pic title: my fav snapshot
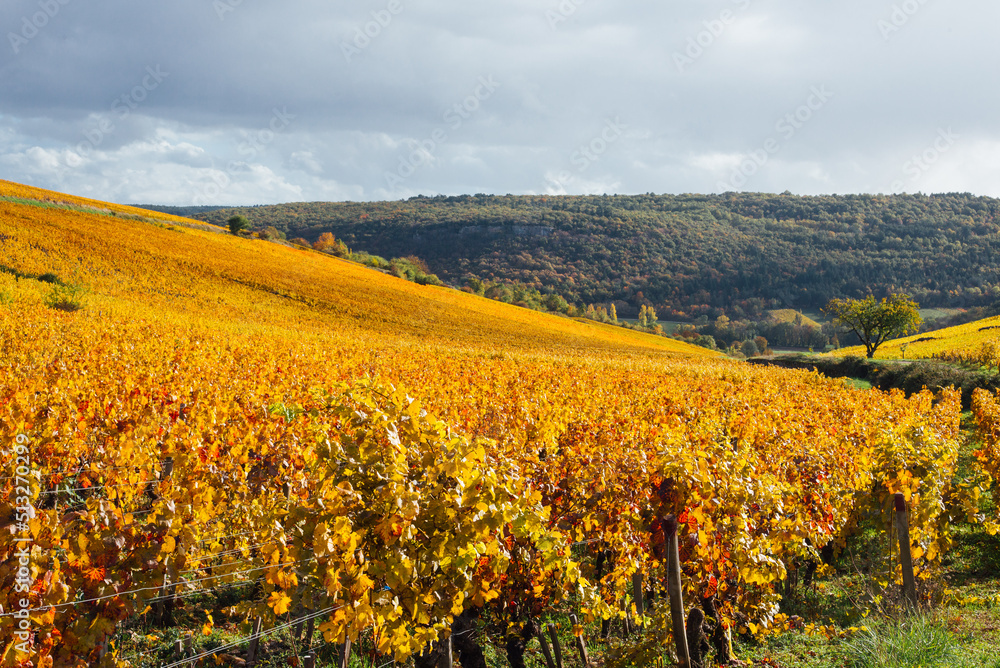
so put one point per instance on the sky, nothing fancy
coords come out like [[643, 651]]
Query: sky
[[240, 102]]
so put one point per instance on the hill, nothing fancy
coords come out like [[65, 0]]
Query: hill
[[169, 268], [795, 317], [688, 255]]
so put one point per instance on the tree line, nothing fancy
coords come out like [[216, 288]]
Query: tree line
[[736, 254]]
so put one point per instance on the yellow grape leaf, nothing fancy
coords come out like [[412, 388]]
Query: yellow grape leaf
[[279, 602], [698, 514]]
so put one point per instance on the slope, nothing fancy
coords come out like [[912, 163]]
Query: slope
[[139, 269], [24, 194]]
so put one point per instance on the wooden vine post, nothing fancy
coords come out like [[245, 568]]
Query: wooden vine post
[[344, 652], [164, 611], [557, 648], [905, 558], [676, 592], [310, 629], [546, 652], [581, 644], [637, 596], [254, 642], [446, 658]]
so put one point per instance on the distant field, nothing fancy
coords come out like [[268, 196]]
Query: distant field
[[961, 338], [789, 315], [936, 313]]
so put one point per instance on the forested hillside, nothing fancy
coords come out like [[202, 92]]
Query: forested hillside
[[688, 255]]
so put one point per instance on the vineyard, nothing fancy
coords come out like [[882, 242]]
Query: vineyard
[[348, 458], [973, 343]]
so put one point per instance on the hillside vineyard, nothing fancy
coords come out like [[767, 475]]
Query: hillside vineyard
[[385, 457]]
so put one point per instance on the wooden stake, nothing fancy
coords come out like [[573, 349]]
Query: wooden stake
[[345, 653], [556, 645], [676, 592], [581, 644], [310, 627], [637, 596], [546, 652], [626, 619], [446, 659], [164, 609], [254, 642], [309, 661], [905, 558]]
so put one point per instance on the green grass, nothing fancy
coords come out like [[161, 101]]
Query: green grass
[[935, 313], [951, 637], [173, 226], [913, 641], [70, 207]]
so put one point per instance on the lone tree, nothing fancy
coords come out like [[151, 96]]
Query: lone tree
[[875, 322], [238, 223]]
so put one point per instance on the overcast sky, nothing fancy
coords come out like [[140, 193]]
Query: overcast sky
[[252, 102]]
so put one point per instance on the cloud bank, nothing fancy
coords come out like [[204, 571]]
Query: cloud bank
[[243, 102]]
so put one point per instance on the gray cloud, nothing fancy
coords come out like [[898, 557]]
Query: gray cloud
[[385, 98]]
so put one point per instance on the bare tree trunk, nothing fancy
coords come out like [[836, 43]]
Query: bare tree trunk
[[696, 638], [721, 638]]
